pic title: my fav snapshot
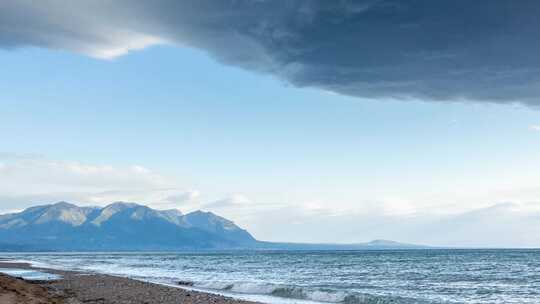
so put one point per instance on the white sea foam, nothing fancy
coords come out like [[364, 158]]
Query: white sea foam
[[259, 298], [324, 296], [30, 274], [216, 285], [282, 291], [35, 264], [251, 287]]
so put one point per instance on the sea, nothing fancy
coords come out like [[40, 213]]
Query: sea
[[348, 277]]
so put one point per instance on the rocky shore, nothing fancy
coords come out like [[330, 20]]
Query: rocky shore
[[79, 288]]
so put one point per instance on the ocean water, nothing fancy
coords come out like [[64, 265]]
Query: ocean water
[[351, 277]]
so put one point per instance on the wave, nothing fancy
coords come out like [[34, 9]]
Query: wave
[[35, 264], [302, 293]]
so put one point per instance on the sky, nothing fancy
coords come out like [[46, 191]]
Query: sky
[[304, 121]]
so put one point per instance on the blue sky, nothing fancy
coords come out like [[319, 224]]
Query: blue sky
[[222, 131], [188, 127]]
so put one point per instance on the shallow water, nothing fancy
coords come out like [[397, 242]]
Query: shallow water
[[410, 276], [30, 274]]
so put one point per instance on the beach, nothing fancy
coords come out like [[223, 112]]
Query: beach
[[79, 287]]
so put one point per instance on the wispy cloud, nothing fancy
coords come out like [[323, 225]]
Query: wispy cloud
[[232, 201], [26, 180], [534, 127], [59, 173]]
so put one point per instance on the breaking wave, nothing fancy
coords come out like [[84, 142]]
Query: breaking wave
[[301, 293]]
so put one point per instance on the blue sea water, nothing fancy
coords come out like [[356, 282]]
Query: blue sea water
[[349, 277]]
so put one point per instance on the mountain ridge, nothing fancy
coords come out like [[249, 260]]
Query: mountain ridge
[[125, 226], [117, 226]]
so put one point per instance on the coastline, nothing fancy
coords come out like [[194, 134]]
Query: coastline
[[79, 287]]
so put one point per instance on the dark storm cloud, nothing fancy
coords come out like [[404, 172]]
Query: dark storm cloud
[[433, 50]]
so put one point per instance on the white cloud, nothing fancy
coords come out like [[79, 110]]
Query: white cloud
[[235, 200], [26, 181], [122, 46], [534, 127], [57, 174]]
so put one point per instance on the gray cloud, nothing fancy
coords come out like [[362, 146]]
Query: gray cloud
[[433, 50]]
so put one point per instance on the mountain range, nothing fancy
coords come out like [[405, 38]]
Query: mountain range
[[132, 227]]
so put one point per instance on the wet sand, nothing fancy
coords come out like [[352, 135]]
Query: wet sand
[[79, 288], [16, 291]]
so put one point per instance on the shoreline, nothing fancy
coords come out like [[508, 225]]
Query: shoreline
[[82, 287]]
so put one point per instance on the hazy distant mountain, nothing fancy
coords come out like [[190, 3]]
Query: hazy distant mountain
[[373, 245], [128, 226]]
